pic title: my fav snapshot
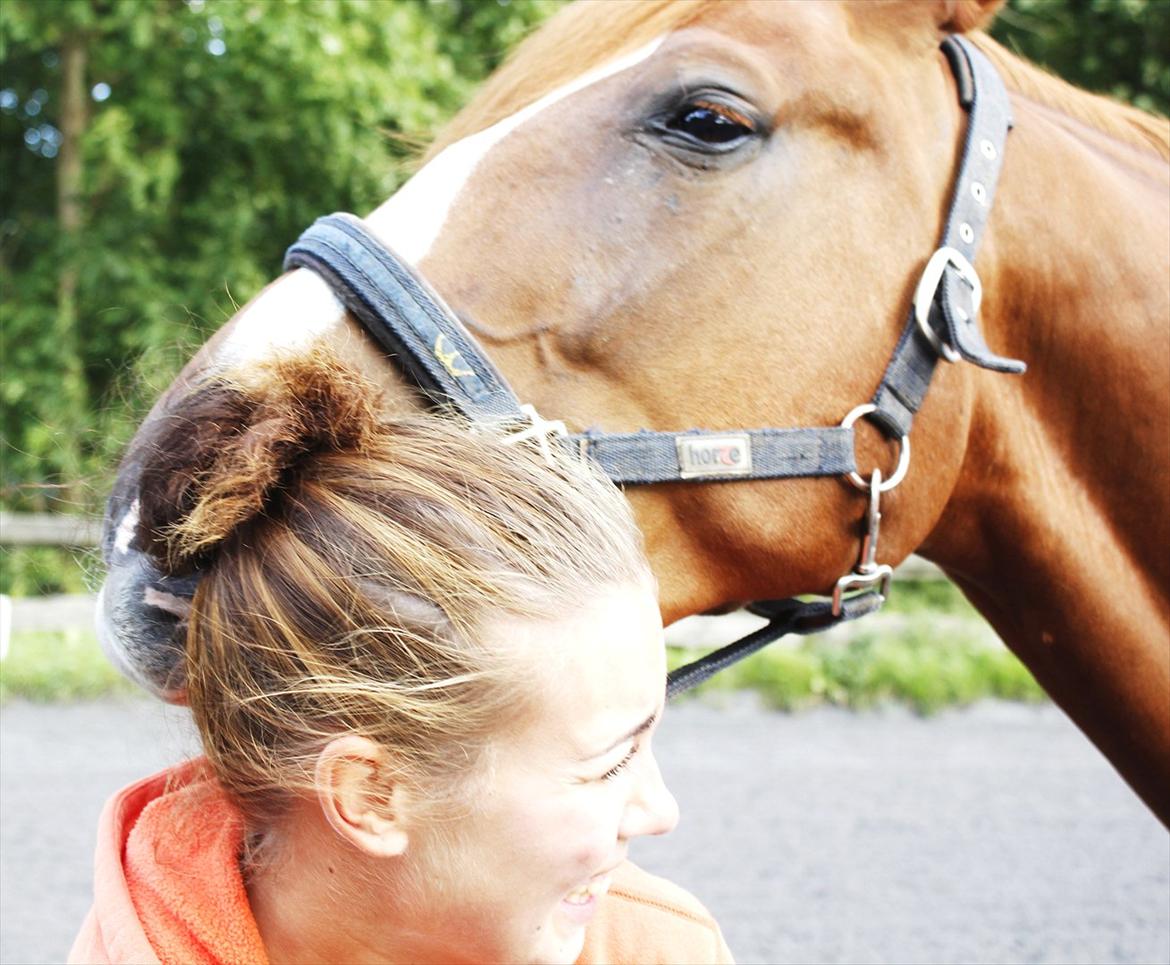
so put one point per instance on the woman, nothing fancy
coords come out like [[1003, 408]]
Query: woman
[[425, 667]]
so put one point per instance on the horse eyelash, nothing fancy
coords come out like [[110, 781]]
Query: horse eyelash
[[736, 117]]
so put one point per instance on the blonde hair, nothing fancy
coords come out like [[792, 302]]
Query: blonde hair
[[349, 567]]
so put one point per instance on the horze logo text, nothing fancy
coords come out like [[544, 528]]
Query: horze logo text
[[714, 455]]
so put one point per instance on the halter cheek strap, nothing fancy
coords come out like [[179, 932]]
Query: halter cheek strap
[[445, 362], [943, 321]]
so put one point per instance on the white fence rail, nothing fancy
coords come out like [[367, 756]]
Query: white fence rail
[[49, 529], [54, 529], [75, 611]]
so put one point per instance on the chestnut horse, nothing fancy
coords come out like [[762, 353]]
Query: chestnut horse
[[698, 214]]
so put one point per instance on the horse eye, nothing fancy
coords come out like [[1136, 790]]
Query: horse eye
[[710, 123]]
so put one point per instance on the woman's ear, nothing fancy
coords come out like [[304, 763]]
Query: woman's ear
[[959, 16], [359, 797]]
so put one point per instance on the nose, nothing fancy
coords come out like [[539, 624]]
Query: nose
[[651, 808]]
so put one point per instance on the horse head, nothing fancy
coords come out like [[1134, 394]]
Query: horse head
[[677, 215]]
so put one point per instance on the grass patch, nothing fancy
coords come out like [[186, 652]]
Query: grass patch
[[924, 663], [934, 596], [58, 665], [42, 570], [911, 667]]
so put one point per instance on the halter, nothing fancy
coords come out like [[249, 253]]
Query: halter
[[434, 350]]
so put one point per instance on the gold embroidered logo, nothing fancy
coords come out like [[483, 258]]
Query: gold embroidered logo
[[450, 360]]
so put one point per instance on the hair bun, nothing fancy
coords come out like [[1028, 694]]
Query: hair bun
[[224, 453]]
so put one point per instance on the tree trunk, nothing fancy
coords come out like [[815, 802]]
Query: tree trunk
[[73, 400]]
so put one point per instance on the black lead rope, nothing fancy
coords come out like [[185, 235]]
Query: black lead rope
[[444, 361], [784, 617]]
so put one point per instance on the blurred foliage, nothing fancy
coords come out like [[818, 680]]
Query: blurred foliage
[[938, 596], [1116, 47], [217, 130], [39, 570], [922, 663], [62, 665], [918, 664]]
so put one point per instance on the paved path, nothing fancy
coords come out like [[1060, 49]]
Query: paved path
[[990, 835]]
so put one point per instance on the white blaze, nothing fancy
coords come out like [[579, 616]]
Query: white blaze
[[411, 220], [300, 308], [292, 313], [125, 531]]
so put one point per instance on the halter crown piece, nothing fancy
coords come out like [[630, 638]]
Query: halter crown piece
[[444, 361]]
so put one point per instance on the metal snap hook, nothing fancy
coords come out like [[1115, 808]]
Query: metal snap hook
[[869, 575], [903, 453]]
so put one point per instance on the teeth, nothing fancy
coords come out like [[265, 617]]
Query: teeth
[[599, 886], [595, 889]]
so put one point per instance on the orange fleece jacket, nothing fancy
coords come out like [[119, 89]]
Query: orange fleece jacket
[[167, 888]]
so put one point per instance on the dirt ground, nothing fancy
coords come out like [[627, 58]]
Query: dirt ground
[[995, 834]]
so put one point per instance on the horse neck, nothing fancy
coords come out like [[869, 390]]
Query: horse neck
[[1058, 526]]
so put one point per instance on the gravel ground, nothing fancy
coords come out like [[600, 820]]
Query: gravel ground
[[995, 834]]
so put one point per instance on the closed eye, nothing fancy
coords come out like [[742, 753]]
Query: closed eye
[[620, 765]]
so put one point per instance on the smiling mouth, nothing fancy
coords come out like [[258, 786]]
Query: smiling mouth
[[586, 893]]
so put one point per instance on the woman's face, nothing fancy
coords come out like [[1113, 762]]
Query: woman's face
[[519, 877]]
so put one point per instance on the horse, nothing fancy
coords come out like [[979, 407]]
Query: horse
[[682, 213]]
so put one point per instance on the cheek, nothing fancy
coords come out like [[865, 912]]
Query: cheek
[[590, 835], [593, 851], [575, 837]]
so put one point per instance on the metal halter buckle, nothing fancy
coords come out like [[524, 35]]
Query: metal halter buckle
[[927, 288], [538, 428], [869, 574]]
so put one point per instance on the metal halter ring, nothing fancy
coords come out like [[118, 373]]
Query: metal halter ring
[[903, 453]]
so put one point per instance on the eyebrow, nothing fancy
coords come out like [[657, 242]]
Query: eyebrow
[[816, 109], [640, 729]]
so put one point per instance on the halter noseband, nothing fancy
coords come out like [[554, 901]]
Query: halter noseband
[[444, 361]]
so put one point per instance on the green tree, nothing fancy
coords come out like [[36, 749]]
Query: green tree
[[158, 155]]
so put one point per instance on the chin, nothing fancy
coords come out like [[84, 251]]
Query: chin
[[565, 951], [559, 943]]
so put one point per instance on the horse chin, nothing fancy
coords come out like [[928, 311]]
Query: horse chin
[[722, 609]]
